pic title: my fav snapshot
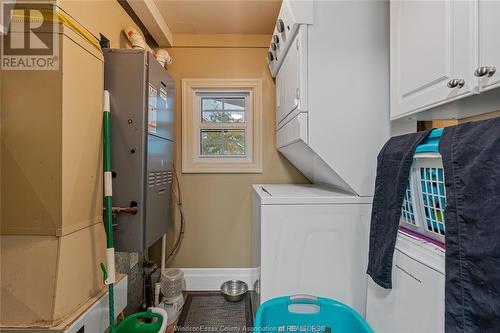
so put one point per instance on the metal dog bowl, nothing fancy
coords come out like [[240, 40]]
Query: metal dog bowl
[[234, 290]]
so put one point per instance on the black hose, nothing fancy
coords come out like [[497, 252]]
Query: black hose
[[178, 201]]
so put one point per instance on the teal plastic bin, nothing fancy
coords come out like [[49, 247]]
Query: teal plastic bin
[[305, 313]]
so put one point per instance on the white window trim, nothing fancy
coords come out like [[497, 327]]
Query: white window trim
[[191, 160]]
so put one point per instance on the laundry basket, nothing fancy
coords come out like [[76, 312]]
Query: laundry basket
[[305, 313], [423, 209]]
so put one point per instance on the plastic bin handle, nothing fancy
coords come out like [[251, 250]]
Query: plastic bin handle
[[303, 297]]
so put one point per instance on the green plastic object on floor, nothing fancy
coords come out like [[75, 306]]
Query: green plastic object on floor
[[141, 322]]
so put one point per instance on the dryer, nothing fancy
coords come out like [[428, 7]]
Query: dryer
[[415, 304], [330, 60]]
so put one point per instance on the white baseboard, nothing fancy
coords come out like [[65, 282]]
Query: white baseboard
[[210, 279]]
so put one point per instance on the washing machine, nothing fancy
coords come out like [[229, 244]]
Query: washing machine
[[415, 304], [308, 239]]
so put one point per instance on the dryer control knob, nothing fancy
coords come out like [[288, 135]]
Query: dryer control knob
[[276, 39], [273, 46], [270, 56], [280, 26]]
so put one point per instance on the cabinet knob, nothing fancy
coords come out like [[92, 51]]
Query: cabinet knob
[[485, 71], [456, 83], [280, 26]]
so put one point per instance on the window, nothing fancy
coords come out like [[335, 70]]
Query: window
[[221, 126]]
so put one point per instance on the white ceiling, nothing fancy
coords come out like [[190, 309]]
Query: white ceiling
[[219, 16]]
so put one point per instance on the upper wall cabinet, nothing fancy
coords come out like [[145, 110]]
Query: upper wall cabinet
[[489, 45], [432, 53]]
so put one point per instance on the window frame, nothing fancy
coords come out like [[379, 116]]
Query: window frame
[[193, 90]]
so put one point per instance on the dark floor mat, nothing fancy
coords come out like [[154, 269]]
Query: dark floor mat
[[210, 312]]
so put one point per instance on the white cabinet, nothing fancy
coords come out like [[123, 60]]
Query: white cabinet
[[489, 45], [432, 53]]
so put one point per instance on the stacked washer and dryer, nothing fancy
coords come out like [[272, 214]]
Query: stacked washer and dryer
[[330, 60]]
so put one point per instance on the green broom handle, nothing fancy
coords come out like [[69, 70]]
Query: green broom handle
[[109, 272]]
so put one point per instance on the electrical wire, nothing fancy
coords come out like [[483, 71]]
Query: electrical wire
[[178, 201]]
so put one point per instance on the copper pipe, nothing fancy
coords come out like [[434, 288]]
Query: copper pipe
[[124, 210]]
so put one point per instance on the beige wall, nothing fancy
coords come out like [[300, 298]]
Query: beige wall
[[217, 206], [100, 16]]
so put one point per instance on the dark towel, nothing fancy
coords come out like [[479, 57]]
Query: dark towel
[[393, 170], [471, 160]]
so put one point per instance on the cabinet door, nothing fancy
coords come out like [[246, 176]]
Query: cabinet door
[[489, 45], [432, 44]]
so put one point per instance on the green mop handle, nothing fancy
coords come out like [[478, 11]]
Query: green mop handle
[[109, 272]]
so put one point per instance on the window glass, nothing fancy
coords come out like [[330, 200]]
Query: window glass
[[223, 110], [222, 142]]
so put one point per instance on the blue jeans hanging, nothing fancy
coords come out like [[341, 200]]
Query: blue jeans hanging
[[471, 160], [393, 170]]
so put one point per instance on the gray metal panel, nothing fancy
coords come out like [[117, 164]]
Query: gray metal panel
[[125, 77], [163, 83], [160, 153], [138, 157], [159, 188]]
